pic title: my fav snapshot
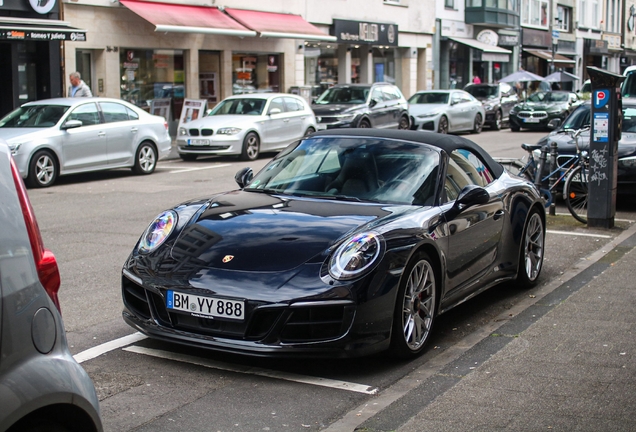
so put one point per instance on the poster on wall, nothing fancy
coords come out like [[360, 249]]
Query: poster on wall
[[192, 109], [160, 107], [207, 86]]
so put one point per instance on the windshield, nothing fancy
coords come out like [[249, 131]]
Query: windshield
[[483, 91], [358, 169], [35, 116], [579, 118], [239, 107], [628, 88], [629, 119], [548, 97], [429, 98], [344, 95]]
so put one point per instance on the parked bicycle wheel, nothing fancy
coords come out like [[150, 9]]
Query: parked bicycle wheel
[[576, 192]]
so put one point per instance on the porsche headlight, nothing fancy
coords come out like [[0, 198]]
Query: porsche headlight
[[356, 256], [158, 231], [228, 131]]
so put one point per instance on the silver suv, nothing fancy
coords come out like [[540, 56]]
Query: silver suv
[[42, 388]]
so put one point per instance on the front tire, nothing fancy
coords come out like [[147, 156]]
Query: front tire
[[145, 159], [309, 131], [496, 125], [532, 251], [364, 124], [442, 127], [43, 169], [576, 193], [415, 308], [251, 147], [404, 123]]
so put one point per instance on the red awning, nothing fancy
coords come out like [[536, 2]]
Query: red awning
[[187, 19], [277, 25]]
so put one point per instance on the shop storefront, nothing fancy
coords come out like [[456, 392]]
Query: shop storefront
[[30, 36]]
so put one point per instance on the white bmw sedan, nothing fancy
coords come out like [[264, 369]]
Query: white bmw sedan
[[55, 137], [247, 125]]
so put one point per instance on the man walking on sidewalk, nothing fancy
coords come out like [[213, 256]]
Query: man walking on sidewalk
[[78, 87]]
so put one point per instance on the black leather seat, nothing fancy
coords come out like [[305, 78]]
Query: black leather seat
[[358, 176]]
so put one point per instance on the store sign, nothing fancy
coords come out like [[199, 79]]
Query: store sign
[[508, 40], [488, 37], [39, 6], [452, 28], [43, 6], [359, 32], [495, 57], [42, 35]]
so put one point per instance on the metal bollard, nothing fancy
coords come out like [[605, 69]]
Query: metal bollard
[[554, 176]]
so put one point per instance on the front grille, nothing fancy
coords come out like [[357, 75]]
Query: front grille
[[533, 114], [194, 132], [329, 120], [316, 323], [206, 132]]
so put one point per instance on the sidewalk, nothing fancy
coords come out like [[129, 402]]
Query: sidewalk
[[567, 363]]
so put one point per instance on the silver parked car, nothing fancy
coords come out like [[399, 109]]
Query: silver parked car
[[446, 111], [247, 125], [54, 137], [42, 388]]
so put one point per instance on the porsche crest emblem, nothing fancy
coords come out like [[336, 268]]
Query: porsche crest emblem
[[227, 258]]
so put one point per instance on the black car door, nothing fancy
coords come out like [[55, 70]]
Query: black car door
[[474, 235]]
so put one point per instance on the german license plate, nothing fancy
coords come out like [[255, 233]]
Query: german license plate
[[198, 141], [205, 307], [532, 120]]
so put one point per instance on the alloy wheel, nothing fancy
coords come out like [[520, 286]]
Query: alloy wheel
[[418, 307], [533, 247]]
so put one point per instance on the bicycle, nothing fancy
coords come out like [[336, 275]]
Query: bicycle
[[573, 172]]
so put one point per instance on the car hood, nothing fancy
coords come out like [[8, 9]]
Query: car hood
[[542, 106], [14, 135], [419, 109], [487, 99], [218, 121], [333, 109], [269, 233], [565, 143]]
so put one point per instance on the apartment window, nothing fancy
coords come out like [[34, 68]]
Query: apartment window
[[535, 13], [583, 14], [474, 3], [450, 4], [612, 16], [563, 19], [595, 15]]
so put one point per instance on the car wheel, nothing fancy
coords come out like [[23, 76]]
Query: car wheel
[[532, 248], [251, 147], [309, 131], [478, 124], [404, 123], [442, 127], [146, 159], [188, 157], [415, 308], [364, 124], [42, 169], [496, 125]]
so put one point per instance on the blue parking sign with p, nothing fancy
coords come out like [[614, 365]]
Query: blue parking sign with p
[[601, 97]]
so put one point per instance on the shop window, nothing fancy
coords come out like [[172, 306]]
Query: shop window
[[253, 73], [209, 74]]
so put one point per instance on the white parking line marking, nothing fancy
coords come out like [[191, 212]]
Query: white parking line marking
[[323, 382], [91, 353], [198, 169], [578, 234]]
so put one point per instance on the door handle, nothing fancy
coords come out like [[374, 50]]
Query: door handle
[[286, 120], [134, 130], [498, 214], [101, 134]]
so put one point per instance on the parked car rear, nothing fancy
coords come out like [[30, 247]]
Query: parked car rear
[[42, 388]]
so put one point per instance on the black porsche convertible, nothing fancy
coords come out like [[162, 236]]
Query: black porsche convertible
[[346, 243]]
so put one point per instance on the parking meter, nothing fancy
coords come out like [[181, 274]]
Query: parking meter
[[605, 123]]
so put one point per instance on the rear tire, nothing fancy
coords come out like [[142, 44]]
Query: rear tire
[[309, 131], [576, 193], [404, 123], [415, 308], [145, 159], [43, 170]]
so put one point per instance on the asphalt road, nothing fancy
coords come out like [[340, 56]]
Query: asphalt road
[[92, 221]]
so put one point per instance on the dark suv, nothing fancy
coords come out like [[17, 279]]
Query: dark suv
[[377, 105], [498, 100]]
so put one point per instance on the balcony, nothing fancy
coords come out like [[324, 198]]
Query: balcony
[[492, 13]]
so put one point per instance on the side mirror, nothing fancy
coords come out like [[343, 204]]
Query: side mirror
[[71, 124], [275, 111], [554, 123], [470, 196], [244, 176], [373, 102]]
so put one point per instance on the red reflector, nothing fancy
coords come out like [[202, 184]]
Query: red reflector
[[45, 261]]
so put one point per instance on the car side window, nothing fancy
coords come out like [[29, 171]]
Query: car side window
[[277, 103], [465, 168], [131, 114], [114, 112], [377, 95], [390, 93], [456, 98], [86, 113], [293, 104]]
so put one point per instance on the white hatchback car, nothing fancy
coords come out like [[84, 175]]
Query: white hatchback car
[[54, 137], [247, 125]]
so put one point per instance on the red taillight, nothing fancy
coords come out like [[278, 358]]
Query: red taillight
[[45, 261], [165, 124]]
